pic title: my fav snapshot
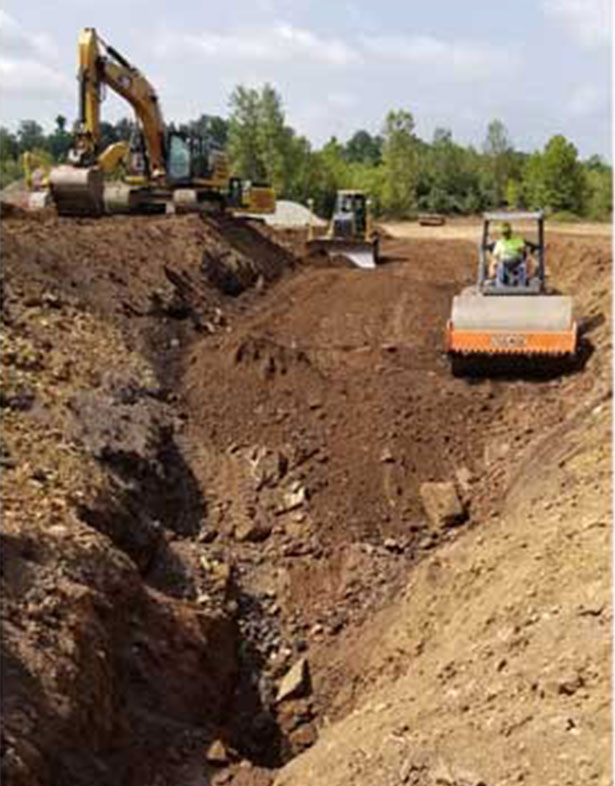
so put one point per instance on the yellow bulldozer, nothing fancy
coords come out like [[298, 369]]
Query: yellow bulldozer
[[351, 233], [165, 170]]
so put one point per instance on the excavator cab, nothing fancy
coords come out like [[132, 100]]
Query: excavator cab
[[189, 158], [350, 215]]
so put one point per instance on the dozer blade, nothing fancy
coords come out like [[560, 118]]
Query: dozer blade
[[77, 191], [359, 253], [519, 324]]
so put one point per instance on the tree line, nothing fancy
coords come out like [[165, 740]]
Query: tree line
[[403, 174]]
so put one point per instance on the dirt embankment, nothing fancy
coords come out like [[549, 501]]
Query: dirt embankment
[[201, 489], [110, 666]]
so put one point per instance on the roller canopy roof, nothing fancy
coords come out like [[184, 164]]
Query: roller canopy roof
[[514, 216]]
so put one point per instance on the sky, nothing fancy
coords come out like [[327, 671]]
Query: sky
[[541, 66]]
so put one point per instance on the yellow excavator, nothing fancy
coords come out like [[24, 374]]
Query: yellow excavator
[[36, 167], [166, 170]]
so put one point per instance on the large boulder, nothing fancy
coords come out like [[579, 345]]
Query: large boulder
[[442, 504], [296, 682]]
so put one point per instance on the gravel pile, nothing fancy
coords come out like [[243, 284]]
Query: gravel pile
[[290, 215]]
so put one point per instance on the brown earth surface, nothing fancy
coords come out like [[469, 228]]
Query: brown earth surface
[[213, 454]]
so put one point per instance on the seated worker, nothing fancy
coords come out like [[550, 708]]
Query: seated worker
[[510, 254]]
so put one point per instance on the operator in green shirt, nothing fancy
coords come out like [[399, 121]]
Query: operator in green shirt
[[510, 251]]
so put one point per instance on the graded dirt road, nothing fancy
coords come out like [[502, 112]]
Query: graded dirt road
[[469, 229], [214, 457]]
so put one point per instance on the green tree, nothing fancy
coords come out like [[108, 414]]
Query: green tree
[[217, 130], [596, 164], [333, 173], [273, 138], [211, 128], [243, 137], [124, 129], [554, 179], [533, 187], [10, 166], [363, 148], [262, 147], [30, 135], [401, 164], [448, 181], [9, 146], [60, 140], [513, 194], [108, 134], [599, 194], [498, 150]]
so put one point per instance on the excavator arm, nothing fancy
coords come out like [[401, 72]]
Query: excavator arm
[[100, 65], [78, 187]]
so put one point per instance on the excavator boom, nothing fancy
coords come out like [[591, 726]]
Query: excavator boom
[[78, 187]]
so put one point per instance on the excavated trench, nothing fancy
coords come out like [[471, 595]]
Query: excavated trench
[[253, 432]]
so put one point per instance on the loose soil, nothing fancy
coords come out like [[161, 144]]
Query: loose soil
[[214, 448]]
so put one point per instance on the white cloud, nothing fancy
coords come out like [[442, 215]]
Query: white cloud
[[588, 21], [586, 100], [340, 99], [458, 59], [27, 63], [32, 78], [284, 43], [279, 44], [18, 42]]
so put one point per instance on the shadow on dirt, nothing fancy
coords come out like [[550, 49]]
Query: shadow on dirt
[[255, 727], [476, 368], [152, 494]]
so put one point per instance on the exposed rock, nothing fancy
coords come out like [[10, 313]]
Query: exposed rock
[[303, 737], [465, 478], [393, 546], [495, 451], [386, 455], [294, 498], [442, 504], [296, 682], [216, 753], [268, 467], [253, 530]]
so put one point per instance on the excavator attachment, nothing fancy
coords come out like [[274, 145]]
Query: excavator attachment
[[515, 325], [77, 191]]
